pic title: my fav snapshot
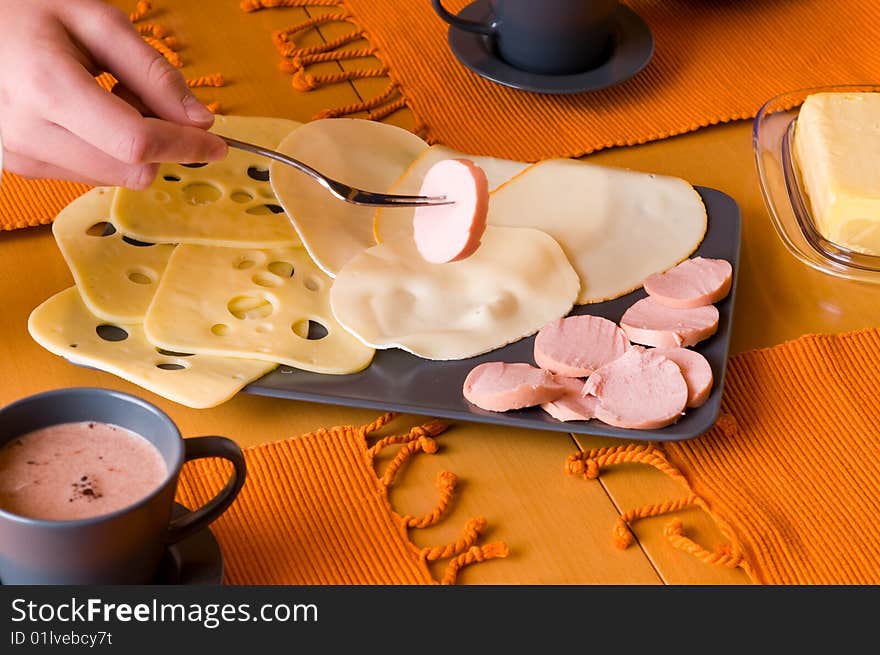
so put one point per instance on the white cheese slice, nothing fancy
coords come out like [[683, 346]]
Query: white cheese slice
[[258, 304], [391, 223], [364, 154], [616, 226], [229, 202], [64, 326], [837, 147], [116, 275], [517, 281]]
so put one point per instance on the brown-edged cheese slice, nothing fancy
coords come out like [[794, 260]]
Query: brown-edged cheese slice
[[229, 202], [518, 280], [64, 326], [115, 274], [271, 304], [616, 226], [364, 154]]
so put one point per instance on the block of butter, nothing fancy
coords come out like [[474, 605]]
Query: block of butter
[[837, 149]]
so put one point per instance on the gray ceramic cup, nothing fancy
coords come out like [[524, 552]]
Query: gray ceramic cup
[[553, 37], [123, 547]]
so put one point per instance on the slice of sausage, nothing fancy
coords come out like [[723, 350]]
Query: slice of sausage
[[641, 390], [447, 233], [651, 324], [696, 371], [571, 405], [693, 283], [577, 345], [498, 386]]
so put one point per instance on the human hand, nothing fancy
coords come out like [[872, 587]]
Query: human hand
[[55, 121]]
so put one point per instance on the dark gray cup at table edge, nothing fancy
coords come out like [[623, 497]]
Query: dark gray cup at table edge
[[125, 546], [551, 37]]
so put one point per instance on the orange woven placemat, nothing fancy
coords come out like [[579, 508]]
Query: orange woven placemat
[[314, 511], [714, 62], [791, 472]]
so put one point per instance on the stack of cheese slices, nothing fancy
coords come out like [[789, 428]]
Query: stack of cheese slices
[[219, 272]]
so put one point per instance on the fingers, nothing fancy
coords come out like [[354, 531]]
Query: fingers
[[117, 47], [66, 152], [115, 127], [124, 93], [34, 169]]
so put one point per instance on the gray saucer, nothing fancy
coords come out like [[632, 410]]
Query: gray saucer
[[196, 560], [631, 51]]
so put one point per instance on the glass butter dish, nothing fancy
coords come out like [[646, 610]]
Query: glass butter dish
[[781, 186]]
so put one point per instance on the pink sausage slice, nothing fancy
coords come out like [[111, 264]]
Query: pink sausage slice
[[498, 386], [651, 324], [571, 405], [693, 283], [576, 346], [447, 233], [640, 390], [696, 371]]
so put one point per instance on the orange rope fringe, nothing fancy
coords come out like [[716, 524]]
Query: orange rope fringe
[[297, 59], [159, 38], [589, 464], [421, 439], [248, 6], [364, 105], [141, 9], [215, 79]]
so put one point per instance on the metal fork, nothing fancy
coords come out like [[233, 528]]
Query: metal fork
[[338, 189]]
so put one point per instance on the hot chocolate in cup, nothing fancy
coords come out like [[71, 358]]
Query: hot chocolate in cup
[[77, 513], [549, 37]]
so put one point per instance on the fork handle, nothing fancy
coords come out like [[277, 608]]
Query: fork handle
[[284, 159]]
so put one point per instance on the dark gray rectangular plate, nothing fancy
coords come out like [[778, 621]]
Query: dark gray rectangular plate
[[399, 381]]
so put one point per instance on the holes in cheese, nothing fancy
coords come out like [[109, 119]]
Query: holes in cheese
[[111, 332], [101, 229], [115, 277], [229, 202], [364, 154], [518, 280], [64, 326], [201, 193], [232, 312], [258, 173]]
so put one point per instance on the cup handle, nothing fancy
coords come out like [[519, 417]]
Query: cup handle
[[461, 23], [199, 448]]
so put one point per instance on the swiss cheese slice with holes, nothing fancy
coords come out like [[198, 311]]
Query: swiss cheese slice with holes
[[616, 226], [64, 326], [391, 223], [228, 202], [115, 274], [365, 154], [264, 304], [517, 281]]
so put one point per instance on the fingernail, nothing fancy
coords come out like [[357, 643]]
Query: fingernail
[[196, 111]]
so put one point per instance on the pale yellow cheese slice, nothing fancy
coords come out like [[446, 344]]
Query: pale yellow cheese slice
[[364, 154], [64, 326], [221, 203], [391, 223], [252, 303], [517, 281], [837, 148], [616, 226], [116, 276]]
